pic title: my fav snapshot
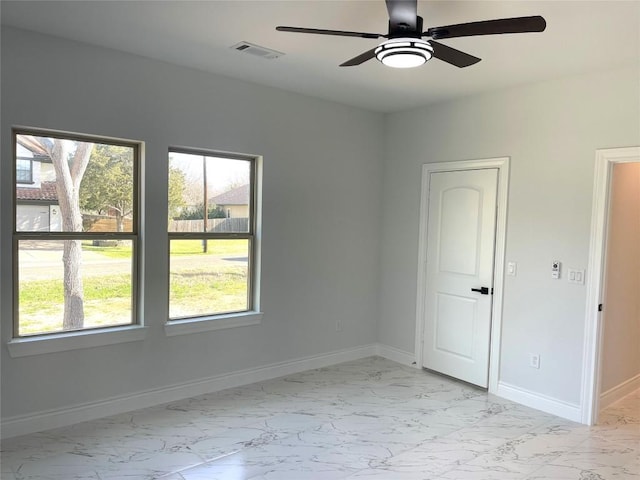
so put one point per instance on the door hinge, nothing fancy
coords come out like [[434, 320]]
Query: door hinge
[[600, 307]]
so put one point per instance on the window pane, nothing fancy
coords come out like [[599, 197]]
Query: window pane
[[208, 277], [103, 203], [227, 189], [100, 296]]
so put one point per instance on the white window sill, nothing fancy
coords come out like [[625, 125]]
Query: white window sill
[[61, 342], [207, 324]]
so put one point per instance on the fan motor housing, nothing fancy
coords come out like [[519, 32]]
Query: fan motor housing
[[402, 30]]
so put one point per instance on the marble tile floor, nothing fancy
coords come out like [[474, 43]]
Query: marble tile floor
[[370, 419]]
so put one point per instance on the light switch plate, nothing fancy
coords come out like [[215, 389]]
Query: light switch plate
[[575, 276]]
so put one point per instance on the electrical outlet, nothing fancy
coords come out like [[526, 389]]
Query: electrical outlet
[[534, 360]]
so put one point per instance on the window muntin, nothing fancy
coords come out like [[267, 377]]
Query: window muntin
[[75, 235], [211, 257]]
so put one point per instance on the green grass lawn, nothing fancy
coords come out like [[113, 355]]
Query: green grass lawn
[[120, 251], [107, 299], [198, 292], [214, 247], [193, 291]]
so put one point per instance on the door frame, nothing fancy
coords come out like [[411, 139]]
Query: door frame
[[593, 332], [502, 164]]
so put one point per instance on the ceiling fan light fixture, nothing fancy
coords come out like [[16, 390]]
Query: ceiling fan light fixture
[[404, 52]]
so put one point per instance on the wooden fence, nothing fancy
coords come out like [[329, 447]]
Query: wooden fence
[[99, 223], [213, 225], [103, 223]]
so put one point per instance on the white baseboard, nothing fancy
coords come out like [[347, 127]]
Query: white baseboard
[[396, 355], [30, 423], [619, 391], [541, 402]]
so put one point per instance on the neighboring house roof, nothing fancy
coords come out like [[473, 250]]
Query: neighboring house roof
[[235, 196], [31, 144], [46, 192]]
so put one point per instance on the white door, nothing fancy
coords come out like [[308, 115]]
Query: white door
[[461, 232]]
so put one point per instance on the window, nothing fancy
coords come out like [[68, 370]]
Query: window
[[75, 237], [24, 170], [212, 234]]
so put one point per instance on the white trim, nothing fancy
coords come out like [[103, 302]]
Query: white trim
[[257, 237], [61, 342], [605, 158], [619, 391], [502, 164], [567, 410], [198, 325], [396, 355], [45, 420]]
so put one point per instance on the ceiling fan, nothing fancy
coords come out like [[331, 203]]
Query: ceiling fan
[[405, 47]]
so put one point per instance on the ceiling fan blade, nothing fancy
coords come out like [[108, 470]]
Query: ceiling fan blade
[[339, 33], [363, 57], [403, 14], [489, 27], [452, 56]]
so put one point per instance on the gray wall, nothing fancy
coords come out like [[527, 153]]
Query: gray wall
[[551, 131], [321, 213], [621, 341], [338, 241]]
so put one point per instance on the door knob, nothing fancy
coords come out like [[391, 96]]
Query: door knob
[[482, 290]]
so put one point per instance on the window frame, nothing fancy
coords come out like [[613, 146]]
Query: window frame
[[252, 315], [63, 339]]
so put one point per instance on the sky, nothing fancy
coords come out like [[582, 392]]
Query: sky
[[222, 173]]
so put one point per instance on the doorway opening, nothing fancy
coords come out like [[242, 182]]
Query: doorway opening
[[592, 380]]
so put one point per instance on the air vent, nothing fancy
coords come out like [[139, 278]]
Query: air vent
[[257, 50]]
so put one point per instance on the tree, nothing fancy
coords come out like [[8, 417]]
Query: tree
[[108, 180], [70, 167], [177, 186], [107, 184], [197, 213]]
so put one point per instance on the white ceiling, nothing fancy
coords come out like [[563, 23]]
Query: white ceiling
[[581, 36]]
